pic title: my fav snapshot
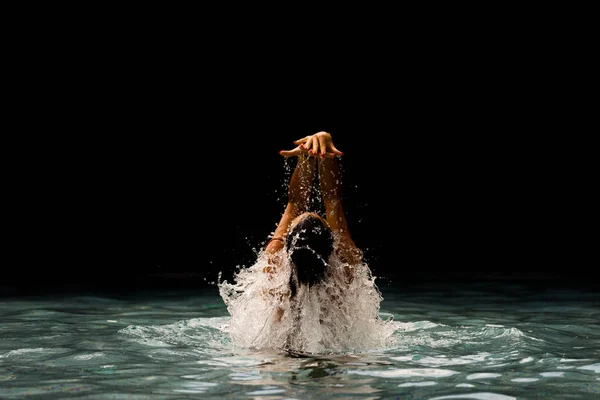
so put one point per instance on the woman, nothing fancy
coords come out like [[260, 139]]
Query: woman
[[307, 238], [309, 289]]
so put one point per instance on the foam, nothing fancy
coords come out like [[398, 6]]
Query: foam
[[330, 317]]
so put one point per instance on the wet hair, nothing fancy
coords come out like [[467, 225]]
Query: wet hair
[[309, 245]]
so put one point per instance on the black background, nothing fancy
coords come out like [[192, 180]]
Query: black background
[[145, 164]]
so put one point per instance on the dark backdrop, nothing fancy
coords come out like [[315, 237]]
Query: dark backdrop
[[129, 171], [176, 205]]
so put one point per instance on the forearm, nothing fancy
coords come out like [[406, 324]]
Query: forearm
[[301, 182], [330, 179], [299, 189]]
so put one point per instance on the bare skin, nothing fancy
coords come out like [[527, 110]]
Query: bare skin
[[316, 154]]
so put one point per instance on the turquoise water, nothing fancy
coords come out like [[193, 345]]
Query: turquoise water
[[488, 340]]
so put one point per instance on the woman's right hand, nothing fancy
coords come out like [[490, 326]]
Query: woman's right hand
[[319, 143]]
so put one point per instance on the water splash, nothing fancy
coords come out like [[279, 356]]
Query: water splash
[[203, 335], [331, 317]]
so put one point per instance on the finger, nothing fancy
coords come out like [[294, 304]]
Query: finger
[[322, 145], [335, 150], [308, 144], [329, 155], [300, 141], [315, 146], [291, 153]]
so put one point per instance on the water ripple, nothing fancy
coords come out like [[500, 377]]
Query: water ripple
[[459, 344]]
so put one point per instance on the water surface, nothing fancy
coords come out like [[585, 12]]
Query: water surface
[[488, 340]]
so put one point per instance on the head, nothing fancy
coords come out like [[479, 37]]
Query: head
[[309, 243]]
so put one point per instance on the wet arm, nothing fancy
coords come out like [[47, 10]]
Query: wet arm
[[298, 201], [330, 179], [298, 198]]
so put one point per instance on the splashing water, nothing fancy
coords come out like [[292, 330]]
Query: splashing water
[[486, 340], [331, 317]]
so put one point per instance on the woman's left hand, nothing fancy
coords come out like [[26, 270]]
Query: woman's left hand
[[318, 144]]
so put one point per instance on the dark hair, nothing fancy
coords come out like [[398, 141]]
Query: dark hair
[[309, 245]]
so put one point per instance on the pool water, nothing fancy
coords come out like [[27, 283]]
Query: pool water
[[480, 340]]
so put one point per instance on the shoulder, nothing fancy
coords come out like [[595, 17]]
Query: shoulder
[[347, 251], [273, 252], [274, 245]]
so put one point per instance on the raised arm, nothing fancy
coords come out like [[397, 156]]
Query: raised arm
[[330, 179], [298, 198]]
